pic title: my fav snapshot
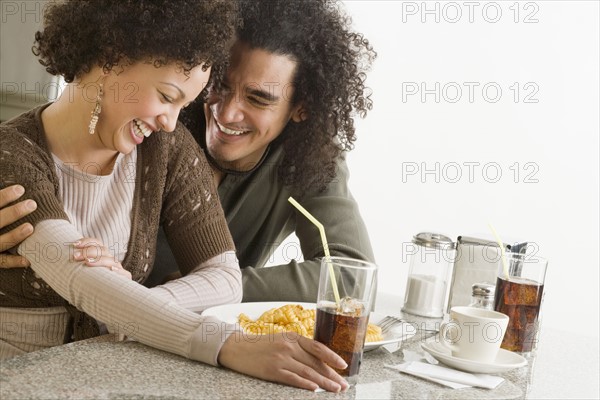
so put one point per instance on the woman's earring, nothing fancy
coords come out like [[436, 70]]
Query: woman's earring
[[96, 112]]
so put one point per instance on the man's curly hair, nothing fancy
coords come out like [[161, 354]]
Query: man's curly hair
[[329, 82], [79, 35]]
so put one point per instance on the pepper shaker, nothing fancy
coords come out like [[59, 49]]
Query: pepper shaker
[[483, 296]]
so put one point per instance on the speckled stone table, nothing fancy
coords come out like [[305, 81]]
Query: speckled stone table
[[565, 366], [103, 369]]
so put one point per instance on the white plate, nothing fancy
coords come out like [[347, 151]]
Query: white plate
[[230, 312], [397, 334], [505, 360]]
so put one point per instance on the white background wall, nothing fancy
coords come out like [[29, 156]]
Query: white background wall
[[553, 135]]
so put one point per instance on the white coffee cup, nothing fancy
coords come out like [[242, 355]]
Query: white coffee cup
[[474, 333]]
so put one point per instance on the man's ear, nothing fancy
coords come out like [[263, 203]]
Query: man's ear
[[299, 113]]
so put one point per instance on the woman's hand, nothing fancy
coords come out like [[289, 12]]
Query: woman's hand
[[94, 254], [285, 358], [8, 215]]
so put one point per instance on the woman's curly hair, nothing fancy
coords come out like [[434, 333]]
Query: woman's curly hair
[[329, 81], [79, 35]]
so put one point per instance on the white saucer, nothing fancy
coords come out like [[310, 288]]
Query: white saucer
[[505, 360]]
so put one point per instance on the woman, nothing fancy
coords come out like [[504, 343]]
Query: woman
[[99, 163]]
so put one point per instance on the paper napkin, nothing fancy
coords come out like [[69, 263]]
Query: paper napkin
[[447, 376]]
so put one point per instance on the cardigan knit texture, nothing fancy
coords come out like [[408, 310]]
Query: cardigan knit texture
[[174, 187]]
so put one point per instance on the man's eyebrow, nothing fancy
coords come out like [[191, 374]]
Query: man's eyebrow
[[181, 94], [263, 94]]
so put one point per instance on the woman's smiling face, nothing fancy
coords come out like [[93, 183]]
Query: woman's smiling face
[[142, 99]]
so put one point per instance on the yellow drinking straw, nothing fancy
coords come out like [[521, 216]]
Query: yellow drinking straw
[[502, 255], [319, 225]]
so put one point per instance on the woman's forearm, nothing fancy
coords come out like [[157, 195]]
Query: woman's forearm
[[125, 306], [214, 282]]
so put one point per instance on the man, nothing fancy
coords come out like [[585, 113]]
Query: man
[[277, 123]]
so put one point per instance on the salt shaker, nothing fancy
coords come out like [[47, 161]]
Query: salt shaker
[[430, 266], [483, 296]]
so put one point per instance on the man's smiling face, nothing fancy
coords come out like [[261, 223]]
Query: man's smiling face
[[250, 108]]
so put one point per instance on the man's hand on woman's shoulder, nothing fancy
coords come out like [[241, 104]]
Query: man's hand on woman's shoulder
[[8, 215]]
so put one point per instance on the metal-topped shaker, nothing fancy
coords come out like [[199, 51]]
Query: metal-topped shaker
[[483, 296], [428, 275]]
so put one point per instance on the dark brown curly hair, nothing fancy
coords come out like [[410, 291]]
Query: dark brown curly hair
[[329, 82], [79, 35]]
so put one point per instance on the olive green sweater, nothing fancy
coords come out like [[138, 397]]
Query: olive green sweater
[[260, 218]]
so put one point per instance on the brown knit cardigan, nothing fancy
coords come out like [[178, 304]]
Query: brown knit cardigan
[[173, 186]]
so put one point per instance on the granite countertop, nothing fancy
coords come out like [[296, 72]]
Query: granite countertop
[[565, 366], [102, 368]]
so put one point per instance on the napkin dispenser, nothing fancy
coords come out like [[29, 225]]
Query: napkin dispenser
[[476, 261]]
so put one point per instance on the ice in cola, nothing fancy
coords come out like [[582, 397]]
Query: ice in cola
[[346, 292], [520, 299], [343, 329]]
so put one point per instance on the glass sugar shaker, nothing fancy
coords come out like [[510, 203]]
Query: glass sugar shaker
[[483, 296], [428, 275]]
